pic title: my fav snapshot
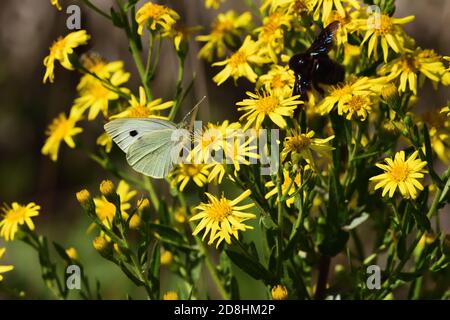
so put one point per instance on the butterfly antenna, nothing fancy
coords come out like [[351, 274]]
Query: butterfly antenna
[[193, 109]]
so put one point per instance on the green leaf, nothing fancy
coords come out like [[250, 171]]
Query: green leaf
[[62, 252], [166, 232], [117, 19], [153, 272], [251, 267], [409, 276], [268, 222], [356, 222]]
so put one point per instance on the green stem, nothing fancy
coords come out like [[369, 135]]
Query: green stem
[[279, 247], [399, 268], [96, 9], [179, 90], [140, 66], [151, 190]]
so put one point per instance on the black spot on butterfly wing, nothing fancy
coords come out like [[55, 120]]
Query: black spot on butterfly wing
[[133, 133]]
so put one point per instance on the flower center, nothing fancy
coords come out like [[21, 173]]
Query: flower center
[[298, 143], [272, 26], [60, 128], [267, 104], [399, 172], [303, 5], [277, 82], [356, 103], [98, 91], [409, 64], [58, 46], [385, 26], [238, 58], [139, 111], [222, 27], [220, 210], [155, 11], [15, 215], [191, 170]]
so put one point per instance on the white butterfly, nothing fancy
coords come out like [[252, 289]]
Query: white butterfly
[[152, 146]]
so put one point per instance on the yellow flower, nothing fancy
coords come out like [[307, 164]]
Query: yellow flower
[[288, 187], [303, 144], [166, 258], [106, 210], [61, 129], [56, 4], [342, 93], [410, 65], [240, 150], [171, 295], [280, 80], [142, 108], [72, 253], [96, 97], [360, 105], [211, 140], [101, 244], [401, 173], [4, 269], [348, 23], [152, 15], [271, 33], [446, 110], [100, 67], [326, 6], [238, 65], [186, 172], [213, 4], [105, 140], [15, 216], [61, 49], [439, 128], [279, 292], [225, 29], [267, 104], [295, 7], [389, 33], [222, 218], [180, 35]]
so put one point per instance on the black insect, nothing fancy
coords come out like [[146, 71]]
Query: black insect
[[314, 66]]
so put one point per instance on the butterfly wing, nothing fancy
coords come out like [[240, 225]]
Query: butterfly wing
[[153, 153], [125, 132], [324, 41]]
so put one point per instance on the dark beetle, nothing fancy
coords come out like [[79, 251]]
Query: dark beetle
[[314, 66]]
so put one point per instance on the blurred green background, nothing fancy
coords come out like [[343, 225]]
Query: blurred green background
[[27, 29]]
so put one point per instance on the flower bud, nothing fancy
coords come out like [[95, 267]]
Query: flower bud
[[171, 295], [83, 196], [107, 187], [279, 292], [166, 258], [391, 96], [72, 253], [135, 222], [102, 245]]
